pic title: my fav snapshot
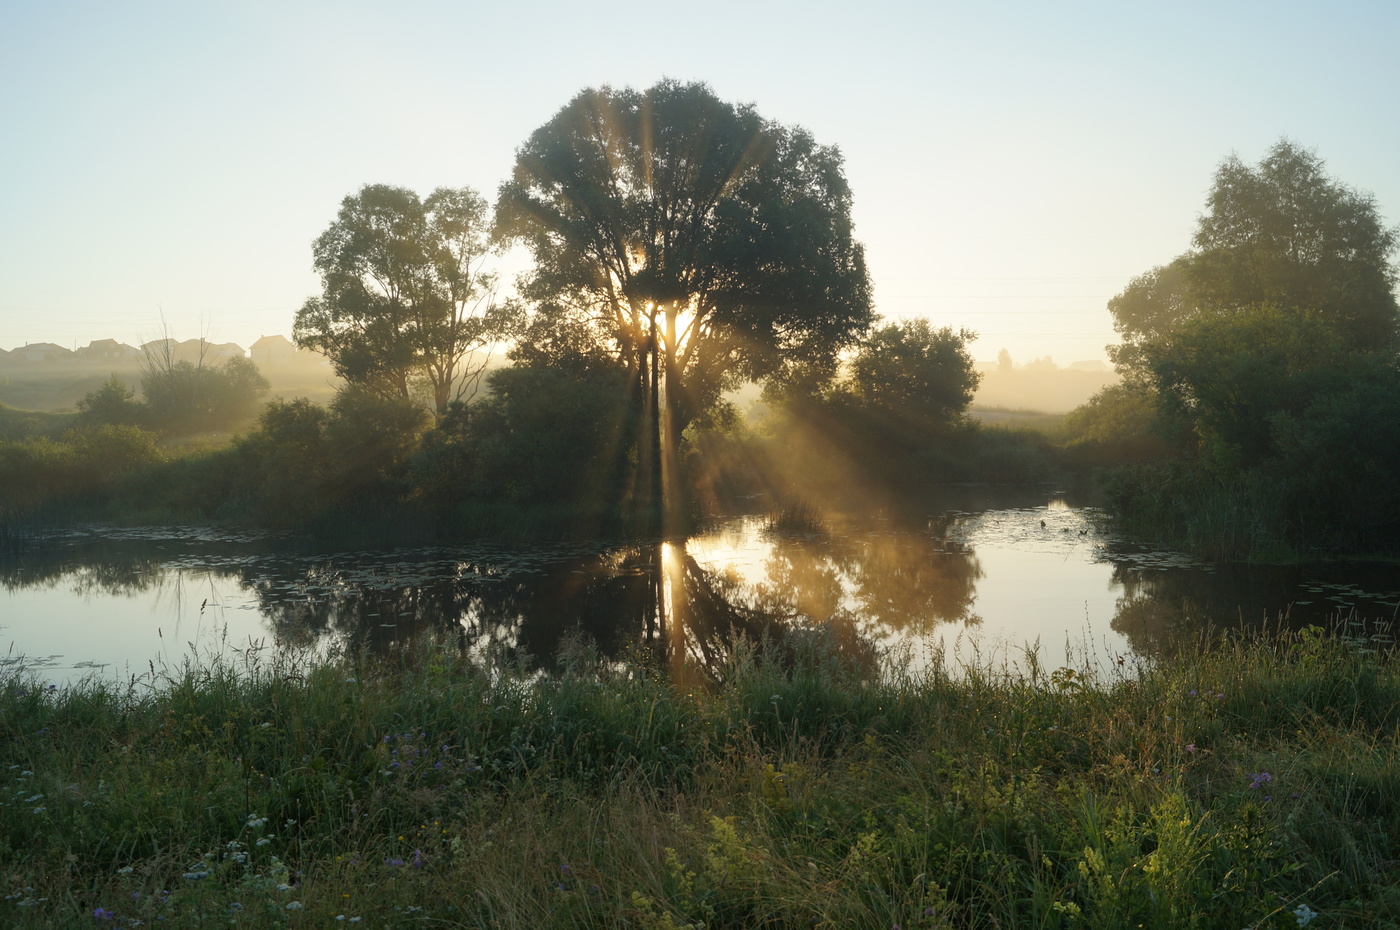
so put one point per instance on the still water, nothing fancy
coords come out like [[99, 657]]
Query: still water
[[977, 575]]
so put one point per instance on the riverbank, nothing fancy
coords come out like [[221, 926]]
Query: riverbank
[[1255, 518], [1248, 786]]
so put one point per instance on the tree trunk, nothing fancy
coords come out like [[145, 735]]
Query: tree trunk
[[669, 437], [656, 502]]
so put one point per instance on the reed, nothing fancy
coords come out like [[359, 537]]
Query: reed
[[797, 517]]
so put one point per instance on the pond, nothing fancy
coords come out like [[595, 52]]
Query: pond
[[974, 575]]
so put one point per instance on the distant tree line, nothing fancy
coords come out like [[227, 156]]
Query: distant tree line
[[114, 435]]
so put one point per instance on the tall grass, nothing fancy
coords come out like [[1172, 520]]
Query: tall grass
[[798, 516], [1249, 785], [15, 536], [1238, 519]]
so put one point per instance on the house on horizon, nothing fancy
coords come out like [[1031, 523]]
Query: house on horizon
[[40, 352], [158, 350], [212, 353], [272, 350], [195, 351], [279, 351], [108, 350]]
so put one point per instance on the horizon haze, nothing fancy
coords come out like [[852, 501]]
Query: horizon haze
[[1013, 166]]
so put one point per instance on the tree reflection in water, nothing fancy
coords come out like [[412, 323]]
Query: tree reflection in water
[[894, 580], [854, 591], [861, 588], [1165, 609], [90, 569]]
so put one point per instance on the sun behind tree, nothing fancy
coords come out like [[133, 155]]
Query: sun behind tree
[[692, 241]]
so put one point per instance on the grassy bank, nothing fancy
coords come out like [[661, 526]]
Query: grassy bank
[[1246, 787]]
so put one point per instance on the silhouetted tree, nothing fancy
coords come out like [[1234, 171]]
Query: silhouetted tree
[[1225, 378], [371, 439], [696, 241], [405, 294], [1287, 235], [1265, 345], [1119, 424], [546, 434], [305, 461], [1150, 307]]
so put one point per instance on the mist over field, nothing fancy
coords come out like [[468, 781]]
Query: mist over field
[[57, 386], [1040, 385]]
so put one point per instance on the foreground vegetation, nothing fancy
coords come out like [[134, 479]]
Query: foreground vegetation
[[1253, 785]]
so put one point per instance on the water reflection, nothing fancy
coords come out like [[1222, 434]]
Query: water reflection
[[1045, 572], [1168, 607], [91, 570]]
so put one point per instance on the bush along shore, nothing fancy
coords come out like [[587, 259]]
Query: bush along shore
[[1251, 784]]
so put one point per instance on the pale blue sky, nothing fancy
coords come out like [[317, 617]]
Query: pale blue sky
[[1013, 164]]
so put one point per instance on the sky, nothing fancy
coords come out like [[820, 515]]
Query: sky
[[166, 166]]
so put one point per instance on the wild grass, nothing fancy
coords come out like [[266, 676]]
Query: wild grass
[[16, 424], [1250, 785], [1006, 418], [798, 516]]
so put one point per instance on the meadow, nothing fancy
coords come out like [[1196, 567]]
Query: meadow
[[1247, 783]]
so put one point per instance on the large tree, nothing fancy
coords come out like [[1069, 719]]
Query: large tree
[[406, 300], [1281, 234], [692, 240]]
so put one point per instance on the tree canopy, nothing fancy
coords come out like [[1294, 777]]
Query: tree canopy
[[1281, 234], [913, 368], [690, 239], [405, 299], [1288, 235], [182, 397], [1269, 351], [1151, 306], [1230, 377]]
